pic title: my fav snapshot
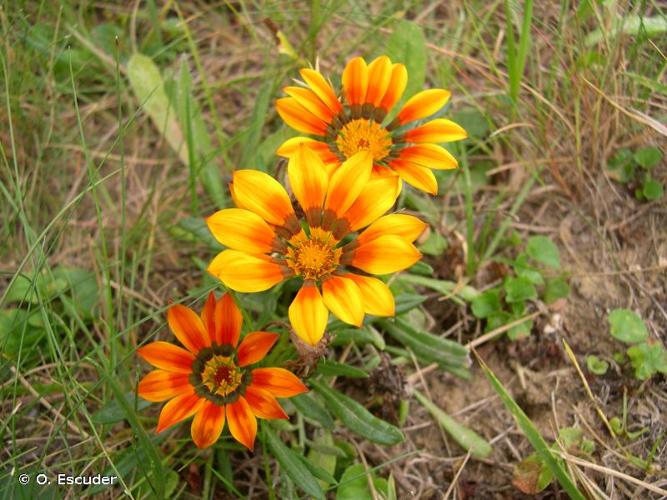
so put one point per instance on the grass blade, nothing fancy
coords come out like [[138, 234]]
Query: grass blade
[[532, 434]]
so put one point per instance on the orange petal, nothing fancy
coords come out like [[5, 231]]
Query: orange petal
[[377, 298], [439, 130], [397, 84], [377, 196], [279, 382], [207, 424], [343, 298], [242, 422], [355, 81], [263, 404], [417, 176], [262, 194], [429, 156], [308, 179], [348, 181], [379, 77], [188, 328], [299, 118], [228, 321], [178, 409], [255, 346], [309, 100], [384, 255], [406, 226], [289, 148], [244, 272], [167, 356], [423, 104], [241, 229], [160, 385], [208, 315], [308, 315], [321, 87]]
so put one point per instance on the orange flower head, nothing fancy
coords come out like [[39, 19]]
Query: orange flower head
[[360, 121], [327, 246], [212, 377]]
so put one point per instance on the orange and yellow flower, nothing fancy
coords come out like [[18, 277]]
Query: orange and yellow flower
[[359, 121], [212, 377], [268, 242]]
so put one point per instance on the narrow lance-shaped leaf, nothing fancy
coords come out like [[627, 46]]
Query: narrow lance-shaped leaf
[[357, 418]]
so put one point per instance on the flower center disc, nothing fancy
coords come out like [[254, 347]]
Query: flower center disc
[[313, 257], [359, 135], [221, 375]]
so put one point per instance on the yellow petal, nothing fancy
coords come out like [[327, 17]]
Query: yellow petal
[[439, 130], [376, 296], [299, 118], [308, 179], [321, 87], [420, 177], [397, 84], [308, 315], [423, 104], [244, 272], [429, 156], [384, 255], [289, 148], [309, 100], [241, 229], [262, 194], [343, 298], [379, 77], [377, 196], [408, 227], [348, 181], [355, 81]]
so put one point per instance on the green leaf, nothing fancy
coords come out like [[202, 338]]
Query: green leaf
[[533, 436], [360, 336], [407, 45], [520, 330], [319, 472], [631, 25], [326, 461], [194, 230], [648, 358], [473, 121], [541, 249], [407, 301], [626, 326], [524, 270], [434, 245], [486, 303], [148, 87], [113, 412], [652, 189], [252, 135], [648, 157], [291, 463], [353, 484], [532, 475], [429, 348], [519, 290], [333, 368], [596, 365], [357, 418], [444, 287], [421, 268], [203, 152], [468, 439], [310, 408], [556, 288]]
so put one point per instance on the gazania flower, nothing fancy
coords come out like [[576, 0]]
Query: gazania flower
[[268, 242], [212, 377], [360, 121]]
